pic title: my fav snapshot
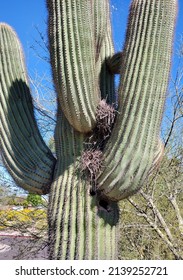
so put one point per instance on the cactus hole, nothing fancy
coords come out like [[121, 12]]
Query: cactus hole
[[92, 192], [105, 205]]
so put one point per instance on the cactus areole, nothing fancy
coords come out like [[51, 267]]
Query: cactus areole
[[104, 151]]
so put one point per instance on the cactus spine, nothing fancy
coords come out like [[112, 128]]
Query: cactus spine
[[130, 153], [25, 155], [83, 221]]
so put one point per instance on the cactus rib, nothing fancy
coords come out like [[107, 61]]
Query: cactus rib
[[145, 69], [23, 151], [72, 50], [104, 49], [78, 228]]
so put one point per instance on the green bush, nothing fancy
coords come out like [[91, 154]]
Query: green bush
[[34, 199]]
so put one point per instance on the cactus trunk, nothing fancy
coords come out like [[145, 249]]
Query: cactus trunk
[[100, 159], [78, 227]]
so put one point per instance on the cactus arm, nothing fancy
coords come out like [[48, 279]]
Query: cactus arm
[[72, 51], [114, 63], [24, 153], [104, 49], [145, 67], [158, 155], [78, 229], [80, 42]]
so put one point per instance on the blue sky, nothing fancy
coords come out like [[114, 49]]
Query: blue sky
[[24, 15]]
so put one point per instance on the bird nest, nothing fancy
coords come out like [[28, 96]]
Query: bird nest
[[105, 116], [91, 162], [92, 156]]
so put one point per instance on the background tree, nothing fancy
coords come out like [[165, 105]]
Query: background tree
[[152, 221]]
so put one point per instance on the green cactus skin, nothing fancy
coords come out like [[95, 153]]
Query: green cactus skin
[[133, 145], [73, 60], [78, 229], [104, 49], [25, 155], [83, 221], [79, 45]]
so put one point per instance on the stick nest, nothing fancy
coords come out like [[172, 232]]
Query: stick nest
[[105, 116], [91, 161]]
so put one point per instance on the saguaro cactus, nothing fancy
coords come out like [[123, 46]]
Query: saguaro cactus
[[86, 181]]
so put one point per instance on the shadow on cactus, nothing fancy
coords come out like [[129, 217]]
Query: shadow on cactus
[[25, 155], [117, 159]]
